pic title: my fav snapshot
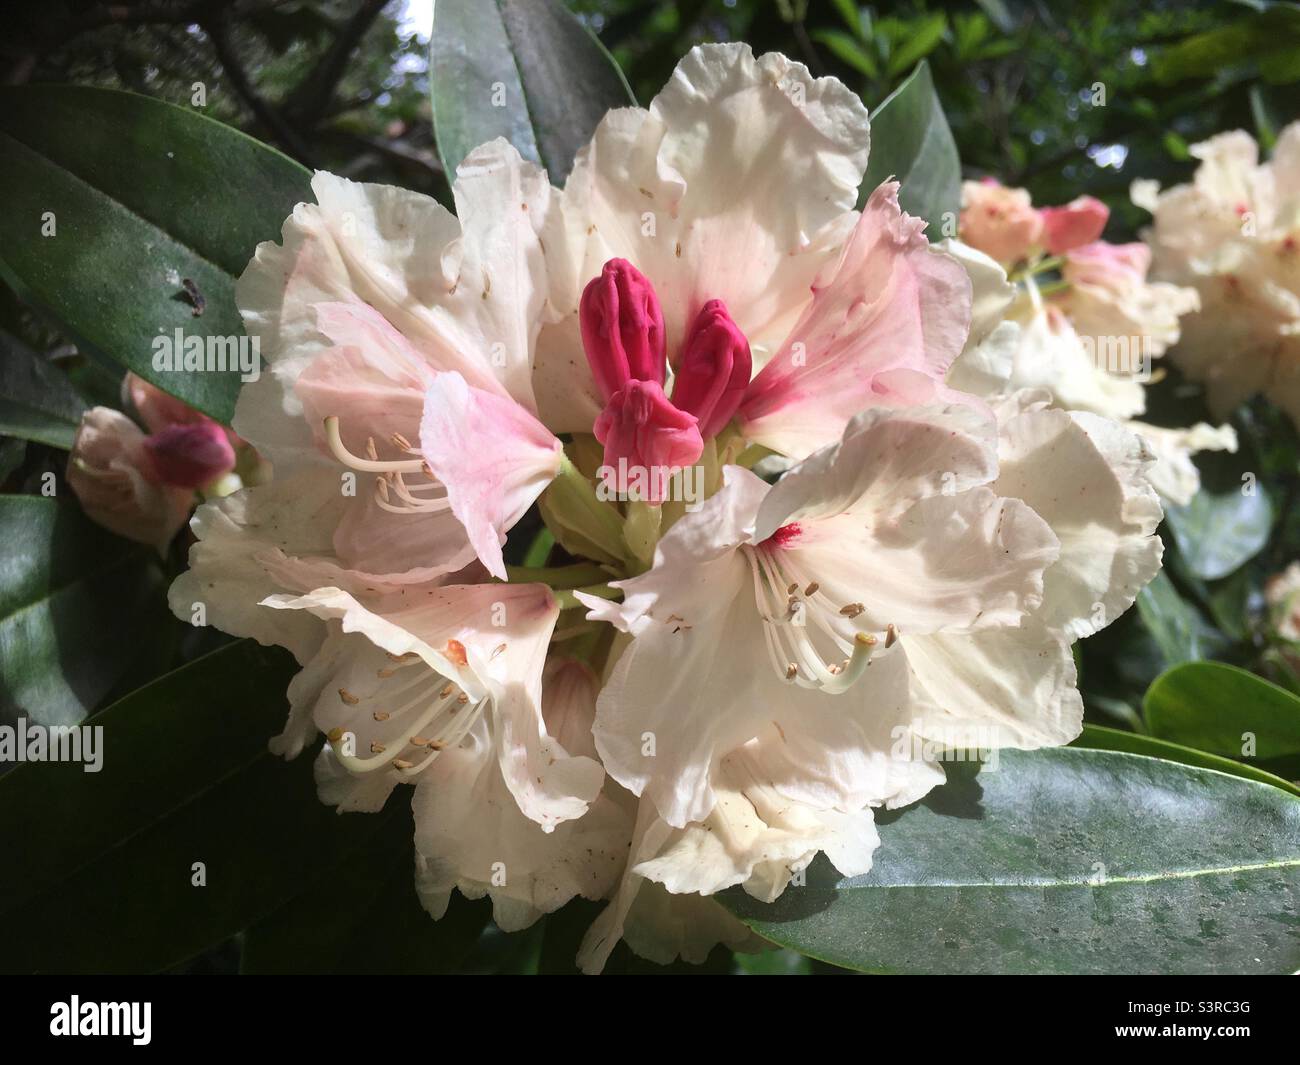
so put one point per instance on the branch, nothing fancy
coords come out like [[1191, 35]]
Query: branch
[[271, 120], [311, 100]]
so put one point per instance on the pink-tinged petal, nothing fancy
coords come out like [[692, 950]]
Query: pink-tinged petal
[[1112, 266], [999, 221], [646, 439], [1078, 223], [714, 370], [622, 328], [188, 456], [492, 456], [468, 290], [399, 548], [373, 381], [891, 306]]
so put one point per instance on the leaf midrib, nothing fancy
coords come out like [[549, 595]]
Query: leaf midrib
[[1148, 878]]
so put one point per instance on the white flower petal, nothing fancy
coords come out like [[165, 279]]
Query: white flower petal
[[1086, 477]]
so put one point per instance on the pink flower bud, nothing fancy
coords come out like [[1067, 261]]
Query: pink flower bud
[[188, 456], [110, 474], [1078, 223], [622, 328], [714, 370], [646, 439]]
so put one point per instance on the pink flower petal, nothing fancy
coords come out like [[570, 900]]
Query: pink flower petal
[[493, 457], [890, 305]]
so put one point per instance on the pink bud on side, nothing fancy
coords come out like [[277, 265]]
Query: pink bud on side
[[714, 370], [111, 475], [646, 439], [1078, 223], [189, 456], [622, 328]]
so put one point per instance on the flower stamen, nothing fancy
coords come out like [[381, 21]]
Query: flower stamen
[[791, 648]]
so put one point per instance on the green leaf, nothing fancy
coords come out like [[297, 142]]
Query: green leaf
[[1101, 738], [1217, 532], [1219, 708], [12, 454], [1062, 861], [848, 50], [1269, 37], [37, 402], [1177, 627], [332, 926], [142, 195], [911, 141], [923, 38], [526, 70], [72, 596], [186, 777]]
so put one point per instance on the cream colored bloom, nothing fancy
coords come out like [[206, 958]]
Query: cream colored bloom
[[920, 534], [1233, 234]]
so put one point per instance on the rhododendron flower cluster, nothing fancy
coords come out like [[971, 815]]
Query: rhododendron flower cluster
[[1233, 236], [690, 693], [1088, 336]]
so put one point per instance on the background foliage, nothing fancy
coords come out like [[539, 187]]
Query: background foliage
[[346, 85]]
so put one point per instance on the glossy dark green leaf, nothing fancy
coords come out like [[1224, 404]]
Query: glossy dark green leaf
[[141, 196], [186, 777], [74, 600], [1101, 738], [1227, 711], [911, 141], [366, 918], [1219, 531], [1062, 861], [526, 70], [37, 402]]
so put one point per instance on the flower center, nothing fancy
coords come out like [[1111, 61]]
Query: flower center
[[428, 713], [806, 633], [424, 497]]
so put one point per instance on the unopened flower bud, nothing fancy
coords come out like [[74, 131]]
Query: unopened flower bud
[[714, 370], [622, 328], [189, 456], [111, 474], [646, 439]]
